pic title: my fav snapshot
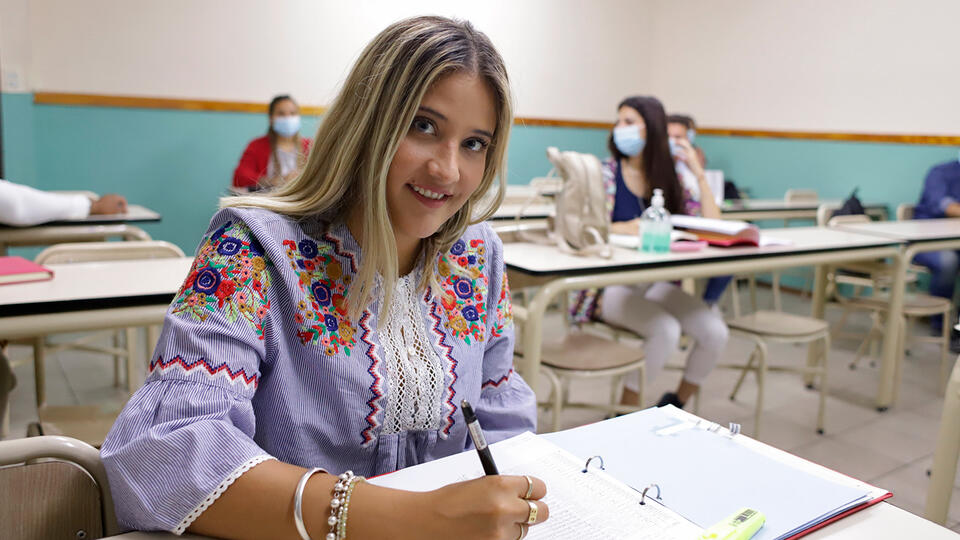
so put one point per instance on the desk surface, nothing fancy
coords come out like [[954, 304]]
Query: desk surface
[[96, 284], [135, 214], [762, 205], [538, 259], [916, 230]]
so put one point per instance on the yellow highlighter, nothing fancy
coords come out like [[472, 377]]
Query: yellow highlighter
[[740, 526]]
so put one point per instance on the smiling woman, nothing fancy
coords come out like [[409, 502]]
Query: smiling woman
[[338, 321]]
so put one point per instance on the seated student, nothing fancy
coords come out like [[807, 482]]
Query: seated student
[[338, 321], [23, 206], [941, 199], [682, 127], [659, 312], [278, 156]]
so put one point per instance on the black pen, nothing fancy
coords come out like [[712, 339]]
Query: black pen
[[473, 426]]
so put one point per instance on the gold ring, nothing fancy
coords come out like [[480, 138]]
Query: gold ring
[[529, 487], [523, 532], [532, 516]]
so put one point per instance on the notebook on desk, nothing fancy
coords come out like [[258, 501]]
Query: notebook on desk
[[585, 502], [19, 270], [706, 473]]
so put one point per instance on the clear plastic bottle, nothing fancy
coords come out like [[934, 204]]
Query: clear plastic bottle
[[655, 226]]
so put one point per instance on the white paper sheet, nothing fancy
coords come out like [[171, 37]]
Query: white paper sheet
[[583, 506]]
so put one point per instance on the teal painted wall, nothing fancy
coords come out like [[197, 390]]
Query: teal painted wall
[[19, 163], [885, 173], [181, 162]]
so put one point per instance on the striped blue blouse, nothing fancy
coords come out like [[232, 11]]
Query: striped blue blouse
[[259, 360]]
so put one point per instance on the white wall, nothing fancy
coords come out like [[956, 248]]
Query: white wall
[[561, 55], [882, 66], [14, 45]]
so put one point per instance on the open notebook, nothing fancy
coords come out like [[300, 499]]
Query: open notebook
[[707, 474], [585, 503]]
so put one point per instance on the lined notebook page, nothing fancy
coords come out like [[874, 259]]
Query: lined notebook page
[[583, 506]]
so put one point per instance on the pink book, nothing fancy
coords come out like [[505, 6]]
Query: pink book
[[20, 270]]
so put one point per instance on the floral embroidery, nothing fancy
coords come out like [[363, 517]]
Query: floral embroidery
[[504, 310], [228, 275], [323, 316], [464, 288]]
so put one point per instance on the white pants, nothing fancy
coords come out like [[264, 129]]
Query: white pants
[[660, 312]]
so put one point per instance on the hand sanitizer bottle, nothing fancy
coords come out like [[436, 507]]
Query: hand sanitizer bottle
[[655, 226]]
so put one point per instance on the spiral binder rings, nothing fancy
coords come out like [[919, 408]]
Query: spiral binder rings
[[585, 502]]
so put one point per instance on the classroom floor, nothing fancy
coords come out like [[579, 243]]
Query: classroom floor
[[892, 449]]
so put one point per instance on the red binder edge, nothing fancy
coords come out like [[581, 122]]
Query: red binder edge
[[842, 515]]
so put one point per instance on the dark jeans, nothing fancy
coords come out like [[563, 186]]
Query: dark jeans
[[715, 287], [943, 267]]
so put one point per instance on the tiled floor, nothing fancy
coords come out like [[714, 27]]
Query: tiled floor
[[892, 449]]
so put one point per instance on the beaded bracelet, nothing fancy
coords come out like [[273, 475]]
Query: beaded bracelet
[[345, 508], [338, 503]]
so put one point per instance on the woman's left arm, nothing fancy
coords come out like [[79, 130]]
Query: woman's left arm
[[708, 205], [507, 405]]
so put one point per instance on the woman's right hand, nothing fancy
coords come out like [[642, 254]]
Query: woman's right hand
[[487, 508]]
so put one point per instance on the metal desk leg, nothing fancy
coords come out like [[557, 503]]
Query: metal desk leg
[[892, 351], [817, 312], [945, 456]]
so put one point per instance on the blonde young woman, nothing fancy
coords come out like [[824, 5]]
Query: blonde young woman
[[338, 321]]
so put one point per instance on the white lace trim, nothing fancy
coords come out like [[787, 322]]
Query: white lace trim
[[414, 369], [215, 494]]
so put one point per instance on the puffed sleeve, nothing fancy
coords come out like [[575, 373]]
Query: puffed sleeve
[[187, 434], [507, 404]]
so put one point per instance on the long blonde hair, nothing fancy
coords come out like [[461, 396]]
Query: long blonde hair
[[362, 129]]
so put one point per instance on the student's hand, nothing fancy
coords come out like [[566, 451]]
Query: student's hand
[[109, 204], [689, 156], [487, 508]]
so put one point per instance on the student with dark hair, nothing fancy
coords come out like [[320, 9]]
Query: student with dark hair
[[641, 162], [278, 156], [681, 127], [941, 199]]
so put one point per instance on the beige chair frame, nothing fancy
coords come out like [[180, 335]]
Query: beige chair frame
[[90, 252], [22, 451]]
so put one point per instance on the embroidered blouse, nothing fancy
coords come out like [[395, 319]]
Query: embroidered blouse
[[623, 205], [259, 360]]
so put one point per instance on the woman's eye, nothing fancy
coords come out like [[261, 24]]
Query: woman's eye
[[424, 126], [476, 145]]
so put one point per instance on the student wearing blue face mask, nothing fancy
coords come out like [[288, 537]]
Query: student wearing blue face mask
[[660, 312], [278, 156], [941, 199]]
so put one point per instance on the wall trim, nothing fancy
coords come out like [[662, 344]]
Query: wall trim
[[100, 100]]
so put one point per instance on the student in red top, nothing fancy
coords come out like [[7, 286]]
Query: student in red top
[[279, 155]]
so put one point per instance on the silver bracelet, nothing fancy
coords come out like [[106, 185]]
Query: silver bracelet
[[298, 502]]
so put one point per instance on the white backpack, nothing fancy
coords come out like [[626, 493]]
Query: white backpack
[[582, 223]]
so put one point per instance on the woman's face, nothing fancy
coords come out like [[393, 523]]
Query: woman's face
[[441, 160], [284, 108], [628, 116]]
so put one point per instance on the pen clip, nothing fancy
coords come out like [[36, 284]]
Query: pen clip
[[587, 464]]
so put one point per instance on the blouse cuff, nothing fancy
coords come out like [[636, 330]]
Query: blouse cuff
[[507, 409], [215, 494]]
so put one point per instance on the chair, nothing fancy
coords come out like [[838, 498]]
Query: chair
[[791, 196], [878, 275], [65, 496], [582, 355], [90, 252], [763, 327], [945, 455], [905, 211]]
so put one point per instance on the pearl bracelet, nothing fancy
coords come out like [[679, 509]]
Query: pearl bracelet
[[339, 505]]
